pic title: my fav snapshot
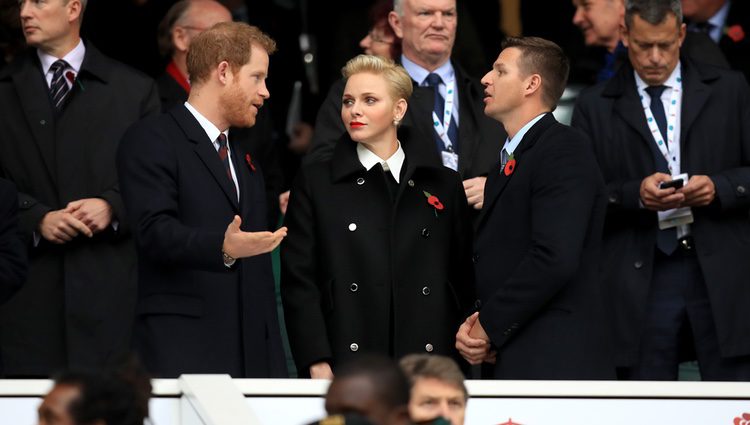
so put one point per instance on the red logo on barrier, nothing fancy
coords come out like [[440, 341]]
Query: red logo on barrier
[[510, 422], [744, 420]]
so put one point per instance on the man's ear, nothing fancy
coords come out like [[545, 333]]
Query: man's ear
[[533, 84], [180, 39], [395, 22], [75, 8], [224, 73]]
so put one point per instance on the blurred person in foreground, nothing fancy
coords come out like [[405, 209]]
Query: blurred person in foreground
[[437, 388]]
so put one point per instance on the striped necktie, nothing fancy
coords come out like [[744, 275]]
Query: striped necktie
[[59, 87]]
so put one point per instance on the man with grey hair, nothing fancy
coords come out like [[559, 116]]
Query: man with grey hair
[[672, 138], [65, 106], [445, 119]]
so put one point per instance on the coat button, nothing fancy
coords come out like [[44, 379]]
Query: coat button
[[425, 233], [354, 347], [429, 348], [25, 203], [353, 287], [43, 122], [475, 258], [426, 290], [410, 183], [612, 199], [638, 264], [477, 304], [352, 227], [360, 181], [741, 190]]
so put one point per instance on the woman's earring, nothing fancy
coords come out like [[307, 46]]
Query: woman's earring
[[396, 121]]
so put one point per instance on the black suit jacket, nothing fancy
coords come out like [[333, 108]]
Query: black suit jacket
[[258, 140], [480, 138], [536, 259], [361, 273], [714, 141], [76, 309], [13, 262], [194, 315]]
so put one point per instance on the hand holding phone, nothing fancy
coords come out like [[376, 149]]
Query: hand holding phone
[[676, 183]]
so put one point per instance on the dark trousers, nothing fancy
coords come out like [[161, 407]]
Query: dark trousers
[[679, 309]]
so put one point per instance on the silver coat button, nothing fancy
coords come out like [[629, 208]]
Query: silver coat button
[[354, 346], [43, 122], [426, 290], [352, 227], [429, 348], [360, 181], [410, 183], [353, 287]]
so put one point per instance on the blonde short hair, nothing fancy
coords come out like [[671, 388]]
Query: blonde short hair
[[399, 82]]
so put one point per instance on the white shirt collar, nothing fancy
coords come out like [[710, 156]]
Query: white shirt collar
[[211, 130], [394, 163], [511, 145], [74, 58], [671, 82], [419, 74]]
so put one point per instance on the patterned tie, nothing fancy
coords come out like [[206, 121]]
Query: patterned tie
[[224, 155], [504, 156], [433, 80], [59, 87], [666, 240]]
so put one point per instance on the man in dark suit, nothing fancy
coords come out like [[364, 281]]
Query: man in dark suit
[[727, 23], [65, 107], [684, 270], [461, 137], [206, 300], [538, 239], [183, 22]]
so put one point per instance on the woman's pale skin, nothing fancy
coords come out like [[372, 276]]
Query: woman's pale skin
[[368, 111]]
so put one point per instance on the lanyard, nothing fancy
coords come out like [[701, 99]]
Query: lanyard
[[442, 127], [670, 148]]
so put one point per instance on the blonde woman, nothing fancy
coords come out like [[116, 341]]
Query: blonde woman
[[378, 254]]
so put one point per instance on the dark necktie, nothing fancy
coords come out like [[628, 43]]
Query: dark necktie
[[504, 157], [224, 156], [59, 87], [657, 110], [704, 27], [666, 240], [433, 80]]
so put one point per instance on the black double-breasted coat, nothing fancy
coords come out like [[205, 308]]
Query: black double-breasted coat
[[361, 273]]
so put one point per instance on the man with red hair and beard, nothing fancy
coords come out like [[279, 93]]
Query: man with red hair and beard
[[196, 200]]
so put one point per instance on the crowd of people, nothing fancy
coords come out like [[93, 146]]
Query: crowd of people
[[434, 212]]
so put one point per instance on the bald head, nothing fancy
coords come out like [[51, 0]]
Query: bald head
[[185, 20]]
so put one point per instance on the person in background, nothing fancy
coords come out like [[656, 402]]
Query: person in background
[[437, 388], [381, 40], [672, 139], [65, 107]]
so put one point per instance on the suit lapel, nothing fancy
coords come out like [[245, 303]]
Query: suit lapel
[[34, 97], [628, 104], [695, 94], [469, 109], [497, 180], [206, 152]]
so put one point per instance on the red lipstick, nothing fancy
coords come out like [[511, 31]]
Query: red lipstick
[[356, 124]]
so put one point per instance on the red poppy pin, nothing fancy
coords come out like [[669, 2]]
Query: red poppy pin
[[434, 201], [510, 166], [735, 32], [249, 162]]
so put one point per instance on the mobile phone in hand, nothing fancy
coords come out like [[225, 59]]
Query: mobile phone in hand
[[676, 183]]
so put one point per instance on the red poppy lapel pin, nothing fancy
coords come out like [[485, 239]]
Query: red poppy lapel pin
[[735, 32], [249, 161], [510, 166], [434, 201]]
